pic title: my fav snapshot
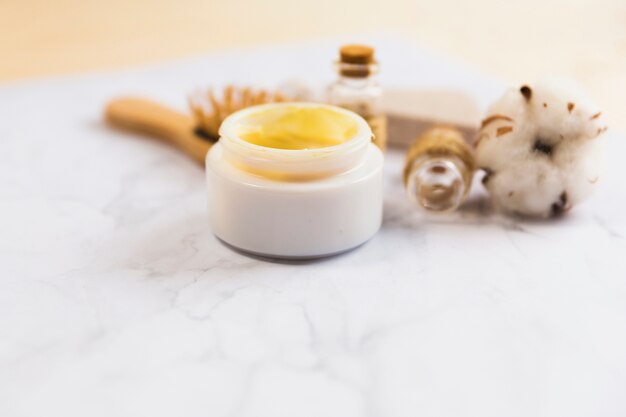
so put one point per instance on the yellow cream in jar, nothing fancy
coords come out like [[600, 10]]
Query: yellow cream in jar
[[298, 128]]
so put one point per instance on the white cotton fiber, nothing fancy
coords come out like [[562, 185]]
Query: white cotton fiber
[[540, 146]]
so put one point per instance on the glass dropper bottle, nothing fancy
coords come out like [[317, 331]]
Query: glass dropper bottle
[[439, 169], [357, 88]]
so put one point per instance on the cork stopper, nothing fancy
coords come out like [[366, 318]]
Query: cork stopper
[[356, 54], [356, 60]]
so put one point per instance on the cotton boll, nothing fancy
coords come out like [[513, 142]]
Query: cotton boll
[[540, 146]]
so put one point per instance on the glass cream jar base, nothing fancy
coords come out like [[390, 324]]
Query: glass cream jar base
[[295, 219]]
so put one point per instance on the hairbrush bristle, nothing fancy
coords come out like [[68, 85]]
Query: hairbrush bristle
[[210, 110]]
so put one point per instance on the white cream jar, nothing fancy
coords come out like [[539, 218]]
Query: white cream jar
[[295, 180]]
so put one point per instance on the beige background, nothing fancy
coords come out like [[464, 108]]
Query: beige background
[[514, 40]]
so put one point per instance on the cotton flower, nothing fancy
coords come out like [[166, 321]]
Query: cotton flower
[[540, 147]]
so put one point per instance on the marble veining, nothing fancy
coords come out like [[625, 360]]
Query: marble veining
[[116, 300]]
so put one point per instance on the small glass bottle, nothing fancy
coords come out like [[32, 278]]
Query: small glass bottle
[[357, 89], [439, 169]]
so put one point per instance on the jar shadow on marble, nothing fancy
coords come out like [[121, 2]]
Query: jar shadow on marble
[[290, 261]]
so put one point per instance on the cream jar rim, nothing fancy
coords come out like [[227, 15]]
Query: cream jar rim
[[229, 135]]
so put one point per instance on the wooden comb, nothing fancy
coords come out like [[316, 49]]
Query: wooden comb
[[194, 134]]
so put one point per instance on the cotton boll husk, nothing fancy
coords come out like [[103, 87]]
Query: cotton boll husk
[[541, 147]]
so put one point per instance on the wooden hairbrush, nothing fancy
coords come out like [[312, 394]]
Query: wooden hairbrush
[[194, 134]]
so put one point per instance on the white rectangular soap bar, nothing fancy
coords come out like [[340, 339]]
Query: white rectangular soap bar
[[411, 111]]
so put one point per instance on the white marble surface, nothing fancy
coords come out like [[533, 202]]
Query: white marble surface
[[116, 300]]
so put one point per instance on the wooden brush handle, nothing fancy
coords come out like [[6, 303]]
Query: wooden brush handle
[[155, 120]]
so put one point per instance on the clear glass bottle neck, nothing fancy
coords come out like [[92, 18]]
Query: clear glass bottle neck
[[357, 82], [437, 184]]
